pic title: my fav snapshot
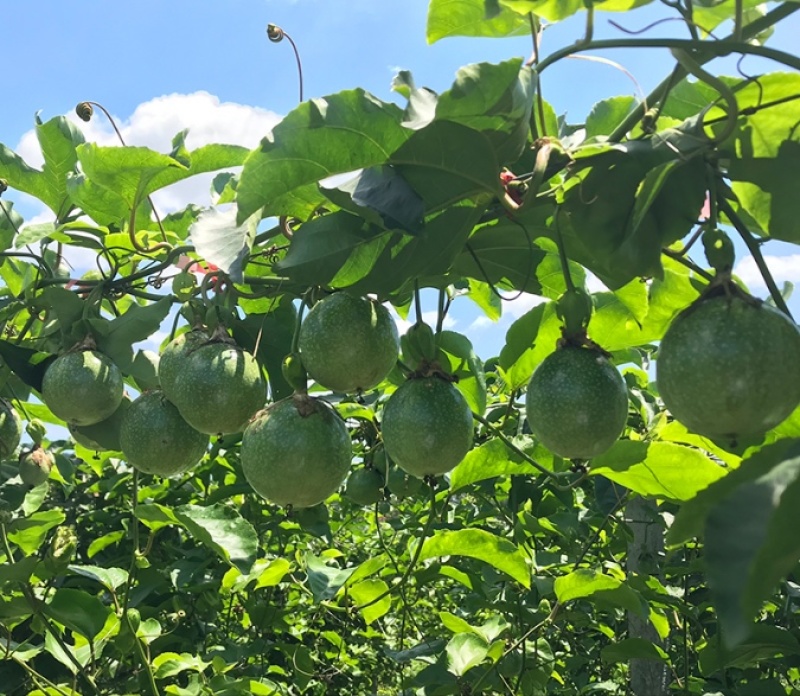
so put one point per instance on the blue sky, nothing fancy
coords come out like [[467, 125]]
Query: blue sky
[[161, 66]]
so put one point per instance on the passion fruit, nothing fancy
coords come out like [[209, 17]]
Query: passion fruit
[[174, 355], [296, 452], [401, 484], [729, 366], [576, 403], [364, 487], [155, 439], [218, 388], [10, 429], [82, 387], [348, 343], [427, 427], [102, 436], [35, 466]]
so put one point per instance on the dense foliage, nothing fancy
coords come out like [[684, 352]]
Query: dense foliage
[[461, 555]]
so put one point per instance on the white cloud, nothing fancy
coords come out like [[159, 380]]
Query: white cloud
[[154, 123], [782, 268]]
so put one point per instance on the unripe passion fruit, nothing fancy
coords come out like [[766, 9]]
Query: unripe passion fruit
[[427, 427], [576, 403], [156, 440], [729, 366], [348, 343], [174, 355], [35, 466], [364, 487], [82, 387], [10, 429], [297, 452], [219, 388], [104, 435]]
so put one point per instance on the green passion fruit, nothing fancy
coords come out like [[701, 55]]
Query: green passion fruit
[[296, 452], [427, 427], [82, 387], [173, 356], [102, 436], [728, 367], [35, 466], [576, 403], [364, 486], [219, 388], [348, 343], [155, 439], [10, 429]]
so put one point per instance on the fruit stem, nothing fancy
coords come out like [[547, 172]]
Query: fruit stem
[[755, 250], [276, 35], [562, 254], [417, 303]]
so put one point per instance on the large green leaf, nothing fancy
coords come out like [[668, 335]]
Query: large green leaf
[[491, 459], [529, 340], [465, 651], [495, 100], [448, 18], [79, 611], [223, 530], [589, 584], [764, 152], [220, 241], [29, 533], [324, 580], [483, 546], [446, 162], [10, 222], [633, 648], [367, 593], [765, 643], [556, 10], [467, 366], [58, 139], [751, 543], [322, 137], [659, 469], [624, 203]]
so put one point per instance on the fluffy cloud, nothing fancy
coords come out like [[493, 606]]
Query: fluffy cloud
[[154, 123], [783, 268]]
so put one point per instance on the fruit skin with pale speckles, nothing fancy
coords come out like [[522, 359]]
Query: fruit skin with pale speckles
[[82, 387], [576, 403], [155, 439], [348, 343], [729, 366], [427, 426], [173, 355], [102, 436], [35, 466], [296, 452], [219, 388]]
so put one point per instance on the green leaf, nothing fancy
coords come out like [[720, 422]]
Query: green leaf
[[448, 18], [29, 533], [529, 340], [747, 554], [467, 366], [557, 10], [708, 16], [321, 247], [495, 100], [273, 573], [659, 469], [223, 530], [606, 115], [765, 643], [111, 578], [169, 664], [20, 571], [78, 611], [321, 137], [10, 222], [219, 240], [58, 139], [691, 518], [155, 516], [446, 162], [633, 649], [29, 365], [588, 584], [325, 581], [368, 591], [491, 459], [483, 546], [764, 152], [136, 324], [127, 171], [465, 651]]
